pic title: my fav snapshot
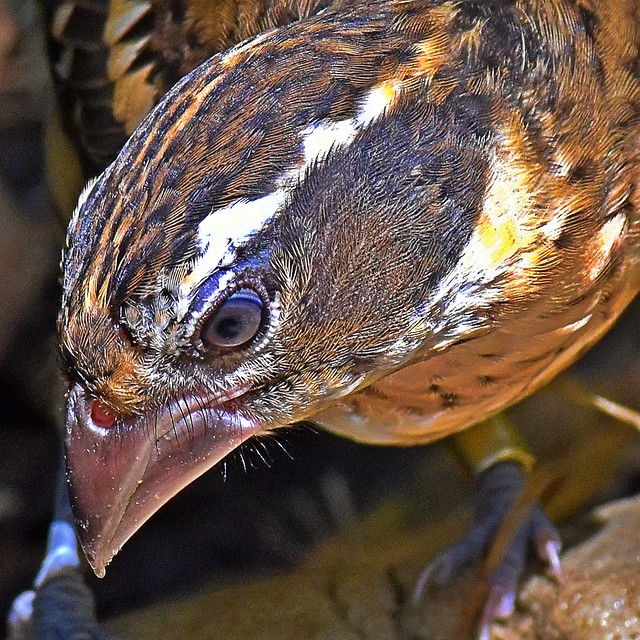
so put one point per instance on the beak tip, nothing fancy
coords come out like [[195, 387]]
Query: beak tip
[[99, 570], [98, 554], [98, 562]]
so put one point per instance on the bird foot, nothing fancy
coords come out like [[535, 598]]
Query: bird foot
[[61, 606], [499, 488]]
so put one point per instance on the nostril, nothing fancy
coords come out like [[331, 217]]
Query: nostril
[[101, 415]]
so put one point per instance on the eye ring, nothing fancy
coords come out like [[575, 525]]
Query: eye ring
[[234, 323]]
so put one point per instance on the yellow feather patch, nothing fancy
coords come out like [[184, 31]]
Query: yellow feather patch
[[508, 225]]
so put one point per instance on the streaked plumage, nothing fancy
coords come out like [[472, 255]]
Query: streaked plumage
[[112, 60], [435, 202]]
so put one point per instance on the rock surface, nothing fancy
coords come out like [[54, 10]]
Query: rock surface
[[359, 587], [598, 597]]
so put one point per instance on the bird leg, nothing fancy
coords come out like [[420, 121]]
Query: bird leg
[[60, 606], [499, 497]]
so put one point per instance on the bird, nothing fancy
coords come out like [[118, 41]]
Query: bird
[[393, 219]]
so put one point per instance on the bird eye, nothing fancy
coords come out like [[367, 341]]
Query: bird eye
[[235, 322]]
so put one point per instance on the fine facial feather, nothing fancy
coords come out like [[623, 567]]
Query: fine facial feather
[[454, 221], [447, 222]]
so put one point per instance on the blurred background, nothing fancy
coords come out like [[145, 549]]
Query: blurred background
[[273, 501]]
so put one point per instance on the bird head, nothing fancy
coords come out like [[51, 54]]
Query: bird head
[[265, 243]]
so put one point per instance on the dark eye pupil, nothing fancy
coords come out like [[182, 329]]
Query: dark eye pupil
[[236, 322], [230, 328]]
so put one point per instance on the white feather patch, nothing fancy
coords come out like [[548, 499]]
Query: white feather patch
[[376, 102], [225, 230], [319, 139], [606, 240], [84, 195]]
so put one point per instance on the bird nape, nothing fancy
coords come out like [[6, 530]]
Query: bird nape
[[393, 219]]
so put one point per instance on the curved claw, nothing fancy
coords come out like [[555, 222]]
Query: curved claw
[[499, 491], [548, 546], [503, 583], [499, 605], [20, 615]]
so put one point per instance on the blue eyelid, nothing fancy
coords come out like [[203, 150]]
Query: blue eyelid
[[208, 292], [211, 290], [245, 295]]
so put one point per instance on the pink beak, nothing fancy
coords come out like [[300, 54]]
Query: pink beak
[[120, 475]]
